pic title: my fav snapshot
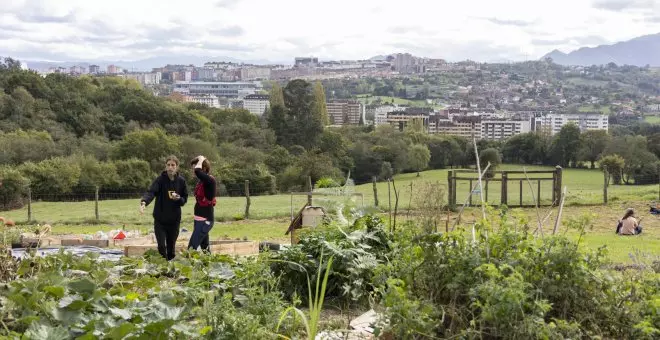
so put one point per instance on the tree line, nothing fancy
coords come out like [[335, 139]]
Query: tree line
[[65, 135]]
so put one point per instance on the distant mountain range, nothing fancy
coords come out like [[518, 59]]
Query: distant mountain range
[[641, 51]]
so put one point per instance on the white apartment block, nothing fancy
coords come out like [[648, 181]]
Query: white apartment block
[[503, 129], [380, 115], [255, 73], [209, 100], [221, 89], [585, 121], [457, 127], [205, 73], [345, 112], [256, 103]]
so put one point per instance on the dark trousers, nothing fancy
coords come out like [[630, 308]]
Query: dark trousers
[[200, 235], [166, 235]]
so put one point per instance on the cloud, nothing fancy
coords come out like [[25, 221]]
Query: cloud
[[510, 22], [227, 3], [229, 31], [620, 5], [226, 47], [581, 40], [38, 18]]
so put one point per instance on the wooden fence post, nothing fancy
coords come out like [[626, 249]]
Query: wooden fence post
[[504, 194], [309, 190], [557, 184], [29, 203], [538, 193], [373, 180], [247, 199], [606, 176], [470, 193], [450, 190], [96, 202], [389, 200]]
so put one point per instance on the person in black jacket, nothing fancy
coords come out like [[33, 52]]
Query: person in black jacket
[[171, 193], [205, 202]]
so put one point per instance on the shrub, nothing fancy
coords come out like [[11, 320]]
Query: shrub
[[13, 188]]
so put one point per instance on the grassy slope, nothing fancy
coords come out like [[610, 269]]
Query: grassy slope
[[270, 214], [652, 119]]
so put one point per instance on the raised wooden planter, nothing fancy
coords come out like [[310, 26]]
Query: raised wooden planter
[[229, 247]]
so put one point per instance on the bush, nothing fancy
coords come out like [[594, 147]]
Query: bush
[[135, 175], [13, 188], [53, 176], [326, 182]]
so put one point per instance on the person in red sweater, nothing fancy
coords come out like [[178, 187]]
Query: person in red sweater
[[204, 205]]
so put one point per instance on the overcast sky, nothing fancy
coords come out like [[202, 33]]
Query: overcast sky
[[483, 30]]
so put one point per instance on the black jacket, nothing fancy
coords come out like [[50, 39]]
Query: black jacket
[[166, 210], [209, 186]]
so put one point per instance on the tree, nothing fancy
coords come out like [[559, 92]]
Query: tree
[[613, 164], [594, 143], [491, 156], [276, 96], [320, 107], [299, 102], [566, 145], [419, 157], [150, 145]]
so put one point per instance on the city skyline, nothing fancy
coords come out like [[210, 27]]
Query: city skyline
[[76, 30]]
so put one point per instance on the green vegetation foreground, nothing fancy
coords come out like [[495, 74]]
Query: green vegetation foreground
[[504, 284]]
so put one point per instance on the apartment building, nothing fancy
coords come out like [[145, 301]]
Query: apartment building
[[345, 112], [205, 74], [553, 123], [205, 99], [503, 129], [94, 69], [380, 113], [463, 126], [221, 89], [256, 103], [401, 119], [113, 69], [254, 73]]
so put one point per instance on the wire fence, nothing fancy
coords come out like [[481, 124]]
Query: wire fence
[[92, 205]]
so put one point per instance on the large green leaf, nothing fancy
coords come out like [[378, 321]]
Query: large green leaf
[[83, 286], [121, 313], [39, 331], [56, 291], [221, 271], [120, 331]]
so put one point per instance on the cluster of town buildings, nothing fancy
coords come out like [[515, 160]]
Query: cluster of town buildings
[[308, 68], [233, 85]]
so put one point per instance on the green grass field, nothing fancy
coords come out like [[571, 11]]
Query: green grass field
[[385, 99], [270, 215], [592, 108], [652, 119]]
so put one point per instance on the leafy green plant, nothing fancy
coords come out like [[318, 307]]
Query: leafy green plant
[[311, 323]]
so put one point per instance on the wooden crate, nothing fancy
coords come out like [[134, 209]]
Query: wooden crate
[[138, 241], [96, 243], [217, 247], [72, 242], [44, 242]]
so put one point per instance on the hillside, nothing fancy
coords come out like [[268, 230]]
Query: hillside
[[641, 51]]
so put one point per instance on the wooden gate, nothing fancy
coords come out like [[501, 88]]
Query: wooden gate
[[510, 188]]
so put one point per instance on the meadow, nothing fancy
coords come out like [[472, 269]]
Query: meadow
[[270, 215]]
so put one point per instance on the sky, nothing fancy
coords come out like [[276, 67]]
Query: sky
[[278, 31]]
